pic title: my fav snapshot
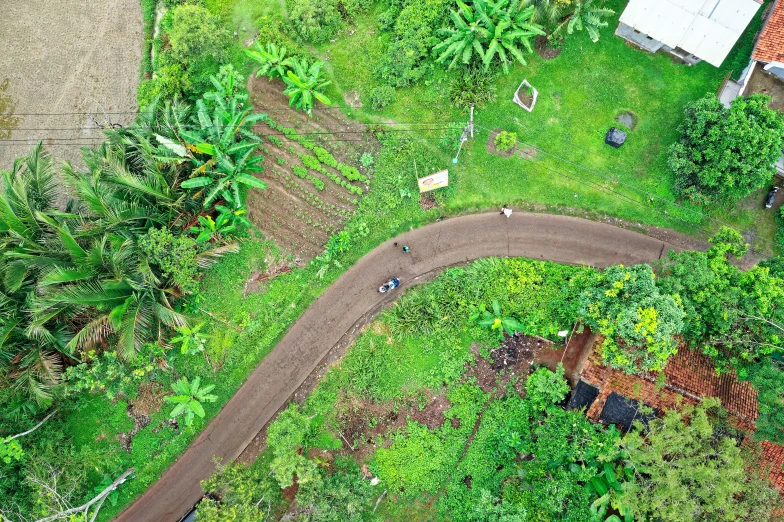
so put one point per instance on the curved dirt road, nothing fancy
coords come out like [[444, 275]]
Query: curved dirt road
[[352, 296]]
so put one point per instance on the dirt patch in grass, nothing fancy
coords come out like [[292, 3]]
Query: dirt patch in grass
[[352, 99], [91, 71], [293, 211], [544, 49], [427, 201], [257, 279], [491, 148], [149, 401], [528, 153], [510, 362], [628, 119]]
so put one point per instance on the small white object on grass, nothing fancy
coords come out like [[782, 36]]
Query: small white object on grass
[[563, 333]]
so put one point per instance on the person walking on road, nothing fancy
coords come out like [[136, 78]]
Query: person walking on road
[[506, 211], [405, 249]]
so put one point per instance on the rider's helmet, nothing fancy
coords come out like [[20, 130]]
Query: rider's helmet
[[382, 288]]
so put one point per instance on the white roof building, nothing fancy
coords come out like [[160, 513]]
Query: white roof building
[[691, 29]]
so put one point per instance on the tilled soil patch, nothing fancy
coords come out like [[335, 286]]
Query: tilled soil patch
[[292, 211]]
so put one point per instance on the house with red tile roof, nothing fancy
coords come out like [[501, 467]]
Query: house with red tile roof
[[613, 397], [769, 51]]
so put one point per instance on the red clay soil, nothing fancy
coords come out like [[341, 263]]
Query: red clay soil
[[331, 320]]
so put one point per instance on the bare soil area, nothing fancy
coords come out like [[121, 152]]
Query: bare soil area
[[293, 212], [69, 63]]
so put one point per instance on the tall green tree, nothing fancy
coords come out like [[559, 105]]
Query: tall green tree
[[304, 85], [31, 355], [639, 323], [688, 467], [725, 154], [488, 30]]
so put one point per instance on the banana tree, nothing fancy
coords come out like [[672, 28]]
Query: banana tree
[[495, 321], [587, 16], [271, 59], [488, 30], [219, 144], [189, 397], [304, 84]]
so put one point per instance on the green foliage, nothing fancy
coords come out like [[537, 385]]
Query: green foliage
[[190, 339], [639, 322], [10, 450], [495, 321], [740, 55], [246, 494], [725, 154], [304, 85], [472, 86], [287, 439], [732, 315], [681, 453], [342, 495], [585, 15], [314, 21], [485, 30], [218, 144], [505, 141], [768, 380], [196, 35], [188, 398], [107, 373], [366, 160], [545, 388], [271, 59], [382, 96], [406, 57], [175, 255]]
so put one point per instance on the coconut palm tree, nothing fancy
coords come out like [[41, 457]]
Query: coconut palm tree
[[30, 356]]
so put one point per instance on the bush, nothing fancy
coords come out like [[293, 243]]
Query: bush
[[176, 256], [725, 154], [405, 60], [505, 141], [314, 21], [472, 86], [382, 96], [197, 35]]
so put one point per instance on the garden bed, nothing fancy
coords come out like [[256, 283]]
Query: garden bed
[[302, 207]]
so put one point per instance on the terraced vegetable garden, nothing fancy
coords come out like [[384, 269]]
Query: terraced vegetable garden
[[313, 170]]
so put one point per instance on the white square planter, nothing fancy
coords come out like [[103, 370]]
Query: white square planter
[[519, 102]]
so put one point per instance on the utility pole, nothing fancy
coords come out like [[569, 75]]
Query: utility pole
[[469, 129]]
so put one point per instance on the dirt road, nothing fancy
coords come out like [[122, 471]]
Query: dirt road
[[348, 301], [65, 61]]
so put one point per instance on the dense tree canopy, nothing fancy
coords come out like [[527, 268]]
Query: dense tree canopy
[[638, 321], [724, 154]]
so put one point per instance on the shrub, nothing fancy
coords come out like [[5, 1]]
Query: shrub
[[505, 141], [197, 34], [314, 21], [725, 154], [472, 86], [176, 256], [382, 96], [405, 60]]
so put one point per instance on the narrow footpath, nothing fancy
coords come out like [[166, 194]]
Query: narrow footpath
[[450, 242]]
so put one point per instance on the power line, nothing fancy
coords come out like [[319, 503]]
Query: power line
[[197, 126], [635, 188]]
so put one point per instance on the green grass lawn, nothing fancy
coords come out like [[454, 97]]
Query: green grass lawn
[[580, 94]]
